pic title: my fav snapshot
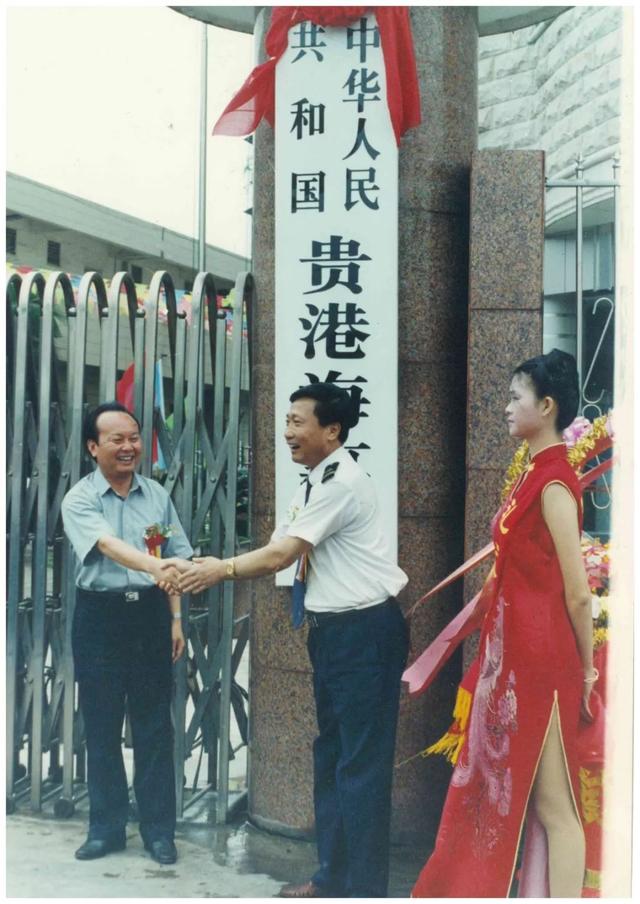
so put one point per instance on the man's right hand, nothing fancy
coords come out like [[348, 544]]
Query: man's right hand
[[166, 573]]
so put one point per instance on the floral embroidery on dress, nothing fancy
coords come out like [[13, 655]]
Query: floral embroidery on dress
[[494, 718]]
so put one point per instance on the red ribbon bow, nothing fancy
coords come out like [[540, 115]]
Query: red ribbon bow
[[255, 100]]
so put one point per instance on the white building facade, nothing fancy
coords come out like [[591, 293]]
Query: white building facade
[[556, 86], [47, 229]]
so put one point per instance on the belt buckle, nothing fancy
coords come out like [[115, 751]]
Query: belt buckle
[[132, 596]]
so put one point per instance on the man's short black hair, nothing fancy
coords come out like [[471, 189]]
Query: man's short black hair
[[333, 405], [90, 426]]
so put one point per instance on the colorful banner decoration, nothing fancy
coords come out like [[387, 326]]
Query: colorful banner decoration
[[183, 298], [336, 203]]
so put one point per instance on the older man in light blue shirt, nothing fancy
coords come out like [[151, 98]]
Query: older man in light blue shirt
[[93, 510], [126, 632]]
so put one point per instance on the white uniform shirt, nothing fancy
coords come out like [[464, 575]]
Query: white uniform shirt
[[350, 565]]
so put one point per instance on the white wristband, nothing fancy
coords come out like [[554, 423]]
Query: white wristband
[[177, 615]]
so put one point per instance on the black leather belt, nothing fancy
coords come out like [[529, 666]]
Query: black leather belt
[[127, 596], [317, 619]]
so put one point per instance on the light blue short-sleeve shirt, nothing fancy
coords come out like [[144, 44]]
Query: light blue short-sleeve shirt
[[92, 509]]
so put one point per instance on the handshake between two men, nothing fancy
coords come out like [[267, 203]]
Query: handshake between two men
[[177, 575]]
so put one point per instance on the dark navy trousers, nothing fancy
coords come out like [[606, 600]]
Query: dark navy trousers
[[122, 652], [358, 659]]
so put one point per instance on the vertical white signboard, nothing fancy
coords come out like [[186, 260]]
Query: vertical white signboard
[[336, 214]]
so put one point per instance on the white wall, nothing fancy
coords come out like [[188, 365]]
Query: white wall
[[556, 89]]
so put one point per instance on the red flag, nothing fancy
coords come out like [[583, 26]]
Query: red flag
[[124, 394], [124, 387]]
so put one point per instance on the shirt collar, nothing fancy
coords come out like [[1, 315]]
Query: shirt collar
[[103, 486], [316, 474]]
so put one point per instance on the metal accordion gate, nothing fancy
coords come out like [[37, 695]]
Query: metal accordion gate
[[51, 381]]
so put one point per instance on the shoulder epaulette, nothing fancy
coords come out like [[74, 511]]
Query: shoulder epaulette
[[330, 471]]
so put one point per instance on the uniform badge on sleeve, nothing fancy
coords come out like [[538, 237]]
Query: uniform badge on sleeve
[[330, 471]]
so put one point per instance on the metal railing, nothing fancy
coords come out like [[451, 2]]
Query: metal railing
[[50, 384], [593, 403]]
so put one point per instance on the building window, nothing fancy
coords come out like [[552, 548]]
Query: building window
[[136, 273], [53, 253], [11, 240]]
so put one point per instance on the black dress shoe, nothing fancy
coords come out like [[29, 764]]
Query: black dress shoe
[[162, 851], [93, 848]]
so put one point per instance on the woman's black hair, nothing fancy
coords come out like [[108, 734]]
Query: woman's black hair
[[90, 426], [333, 406], [556, 375]]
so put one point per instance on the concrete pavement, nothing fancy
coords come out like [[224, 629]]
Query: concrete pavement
[[40, 863], [236, 861]]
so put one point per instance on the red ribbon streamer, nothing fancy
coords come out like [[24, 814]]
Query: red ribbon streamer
[[256, 98]]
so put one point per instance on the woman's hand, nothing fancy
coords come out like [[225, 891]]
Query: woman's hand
[[590, 678], [585, 711], [177, 640]]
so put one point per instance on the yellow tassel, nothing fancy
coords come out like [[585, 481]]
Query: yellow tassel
[[451, 743], [462, 708], [448, 746]]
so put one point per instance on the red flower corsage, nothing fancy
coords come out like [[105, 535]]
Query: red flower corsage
[[154, 537]]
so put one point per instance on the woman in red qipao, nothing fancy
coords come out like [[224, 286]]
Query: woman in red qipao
[[535, 667]]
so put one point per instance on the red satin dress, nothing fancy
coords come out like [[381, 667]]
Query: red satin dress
[[529, 667]]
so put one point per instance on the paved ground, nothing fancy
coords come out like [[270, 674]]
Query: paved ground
[[236, 861]]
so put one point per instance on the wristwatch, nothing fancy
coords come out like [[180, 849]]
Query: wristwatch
[[177, 615], [230, 569]]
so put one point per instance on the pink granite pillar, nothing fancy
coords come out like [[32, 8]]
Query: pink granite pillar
[[433, 267], [505, 322]]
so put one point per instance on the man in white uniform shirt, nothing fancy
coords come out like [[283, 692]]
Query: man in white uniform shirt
[[357, 642]]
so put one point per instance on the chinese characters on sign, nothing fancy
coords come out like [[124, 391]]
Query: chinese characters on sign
[[337, 243]]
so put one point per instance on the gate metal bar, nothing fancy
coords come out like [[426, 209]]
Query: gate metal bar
[[17, 524], [579, 184], [244, 289], [47, 458], [71, 473]]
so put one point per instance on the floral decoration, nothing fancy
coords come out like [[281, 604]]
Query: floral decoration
[[596, 560], [154, 536]]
